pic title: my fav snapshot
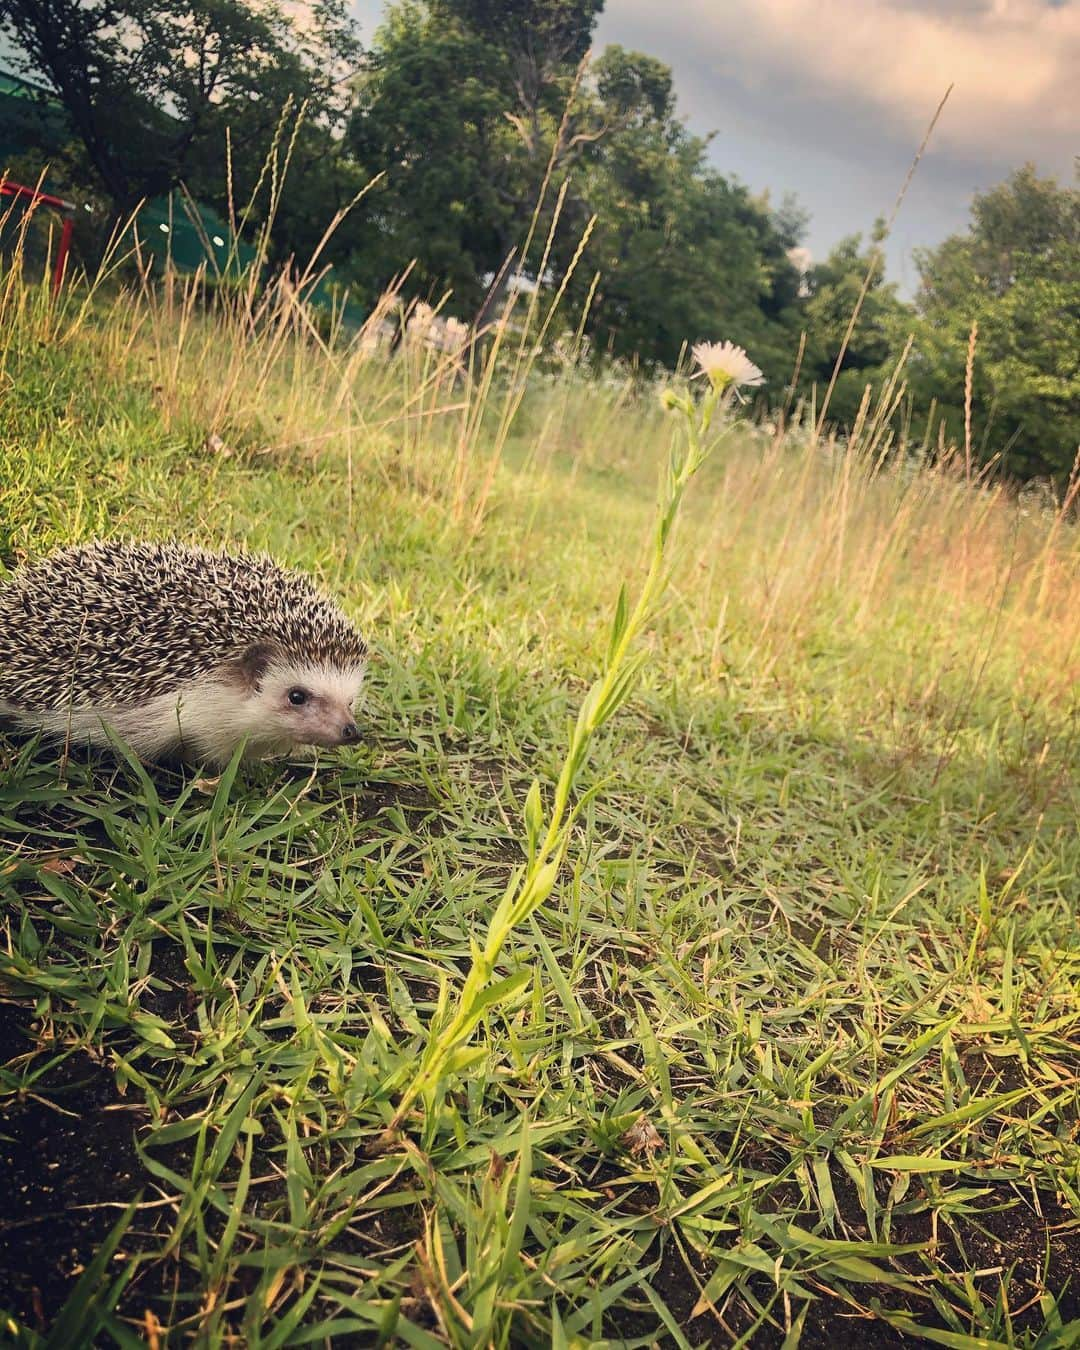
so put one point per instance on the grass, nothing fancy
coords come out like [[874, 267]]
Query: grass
[[790, 1054]]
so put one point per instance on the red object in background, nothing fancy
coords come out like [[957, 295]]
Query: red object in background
[[10, 189]]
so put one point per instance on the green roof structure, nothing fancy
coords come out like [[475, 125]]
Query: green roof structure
[[187, 234]]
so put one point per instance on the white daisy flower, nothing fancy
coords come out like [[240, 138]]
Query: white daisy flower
[[456, 333], [421, 318], [725, 364]]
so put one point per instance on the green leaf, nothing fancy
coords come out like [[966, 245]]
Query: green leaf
[[534, 817], [618, 625]]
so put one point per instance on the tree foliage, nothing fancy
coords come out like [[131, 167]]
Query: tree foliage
[[429, 115], [1016, 274], [833, 288], [149, 88], [682, 252], [475, 109]]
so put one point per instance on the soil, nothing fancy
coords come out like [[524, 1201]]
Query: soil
[[68, 1166]]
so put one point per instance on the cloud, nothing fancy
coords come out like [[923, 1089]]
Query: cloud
[[1014, 63]]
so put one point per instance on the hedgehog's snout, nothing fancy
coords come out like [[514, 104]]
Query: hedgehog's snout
[[349, 732]]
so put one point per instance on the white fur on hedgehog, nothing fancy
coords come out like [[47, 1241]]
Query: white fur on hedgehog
[[177, 651]]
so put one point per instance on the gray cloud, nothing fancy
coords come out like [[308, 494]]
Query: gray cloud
[[830, 98], [877, 68], [1014, 64]]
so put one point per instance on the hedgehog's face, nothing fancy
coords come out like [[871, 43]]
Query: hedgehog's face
[[286, 703], [308, 705]]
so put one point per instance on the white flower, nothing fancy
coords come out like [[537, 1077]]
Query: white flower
[[725, 364], [456, 334], [421, 319]]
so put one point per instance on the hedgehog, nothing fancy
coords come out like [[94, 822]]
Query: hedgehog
[[180, 652]]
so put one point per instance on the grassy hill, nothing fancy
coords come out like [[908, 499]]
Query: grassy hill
[[792, 1056]]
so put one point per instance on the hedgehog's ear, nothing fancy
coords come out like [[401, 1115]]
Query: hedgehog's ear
[[253, 664]]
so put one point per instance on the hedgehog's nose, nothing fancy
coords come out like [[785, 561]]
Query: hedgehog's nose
[[349, 732]]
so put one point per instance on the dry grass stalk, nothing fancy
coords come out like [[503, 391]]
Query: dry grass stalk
[[969, 372]]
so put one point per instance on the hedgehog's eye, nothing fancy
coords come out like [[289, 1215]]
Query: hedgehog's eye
[[298, 697]]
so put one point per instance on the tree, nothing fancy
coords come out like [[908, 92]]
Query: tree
[[463, 103], [150, 88], [537, 46], [1024, 217], [1016, 273], [468, 107], [877, 340], [429, 115], [683, 253]]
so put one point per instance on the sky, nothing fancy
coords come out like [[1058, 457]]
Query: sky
[[830, 99]]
